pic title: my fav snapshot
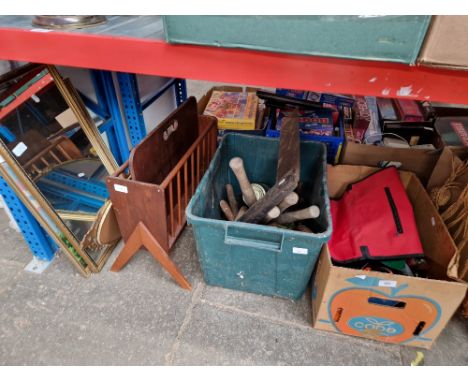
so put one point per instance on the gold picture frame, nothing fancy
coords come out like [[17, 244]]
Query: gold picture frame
[[28, 192]]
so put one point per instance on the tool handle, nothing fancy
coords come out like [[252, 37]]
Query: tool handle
[[272, 214], [232, 199], [289, 201], [311, 212], [237, 166], [226, 210], [257, 212], [303, 228], [241, 212]]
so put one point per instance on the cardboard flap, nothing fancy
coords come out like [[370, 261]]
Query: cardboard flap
[[419, 161], [458, 267], [438, 245], [339, 177], [443, 168], [446, 42]]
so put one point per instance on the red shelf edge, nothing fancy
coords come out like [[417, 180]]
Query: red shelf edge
[[249, 67]]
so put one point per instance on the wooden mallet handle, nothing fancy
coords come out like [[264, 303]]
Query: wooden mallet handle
[[237, 166], [231, 199], [289, 201], [226, 210], [303, 228], [311, 212], [241, 212], [272, 214]]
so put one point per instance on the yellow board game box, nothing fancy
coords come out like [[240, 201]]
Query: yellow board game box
[[234, 110]]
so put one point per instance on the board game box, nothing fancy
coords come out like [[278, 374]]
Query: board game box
[[331, 99], [362, 118], [453, 130], [299, 94], [409, 110], [387, 109], [234, 110], [316, 122], [374, 132]]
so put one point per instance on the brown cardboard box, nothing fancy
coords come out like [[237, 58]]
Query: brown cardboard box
[[419, 161], [446, 43], [350, 301], [443, 167], [440, 174]]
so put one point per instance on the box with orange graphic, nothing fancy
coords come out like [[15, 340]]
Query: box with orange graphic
[[388, 307]]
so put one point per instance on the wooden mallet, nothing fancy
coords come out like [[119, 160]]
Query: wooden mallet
[[241, 212], [226, 210], [272, 214], [237, 166], [311, 212], [231, 199], [289, 201]]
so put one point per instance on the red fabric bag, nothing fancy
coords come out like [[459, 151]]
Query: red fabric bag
[[374, 220]]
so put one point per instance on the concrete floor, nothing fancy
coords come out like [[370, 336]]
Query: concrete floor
[[139, 316]]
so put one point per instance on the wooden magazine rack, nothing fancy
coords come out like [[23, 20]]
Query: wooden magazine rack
[[163, 172]]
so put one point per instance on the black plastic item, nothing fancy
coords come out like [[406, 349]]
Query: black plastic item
[[398, 267], [436, 109], [275, 100], [415, 133]]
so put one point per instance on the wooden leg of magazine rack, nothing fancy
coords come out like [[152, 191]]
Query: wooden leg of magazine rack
[[141, 237]]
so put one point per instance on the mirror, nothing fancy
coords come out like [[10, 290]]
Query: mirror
[[54, 147]]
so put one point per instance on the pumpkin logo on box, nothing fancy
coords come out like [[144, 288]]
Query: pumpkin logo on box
[[365, 310]]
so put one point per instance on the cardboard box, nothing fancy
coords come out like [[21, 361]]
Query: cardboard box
[[351, 301], [440, 174], [419, 161], [446, 42], [443, 167]]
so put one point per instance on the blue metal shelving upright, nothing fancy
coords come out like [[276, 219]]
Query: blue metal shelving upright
[[40, 244], [133, 107]]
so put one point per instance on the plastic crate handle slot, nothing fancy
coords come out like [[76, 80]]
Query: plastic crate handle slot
[[253, 237]]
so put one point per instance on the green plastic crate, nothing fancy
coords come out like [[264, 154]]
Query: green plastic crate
[[382, 38], [252, 257]]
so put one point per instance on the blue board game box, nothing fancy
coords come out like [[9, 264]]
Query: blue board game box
[[334, 142], [325, 98], [318, 122]]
